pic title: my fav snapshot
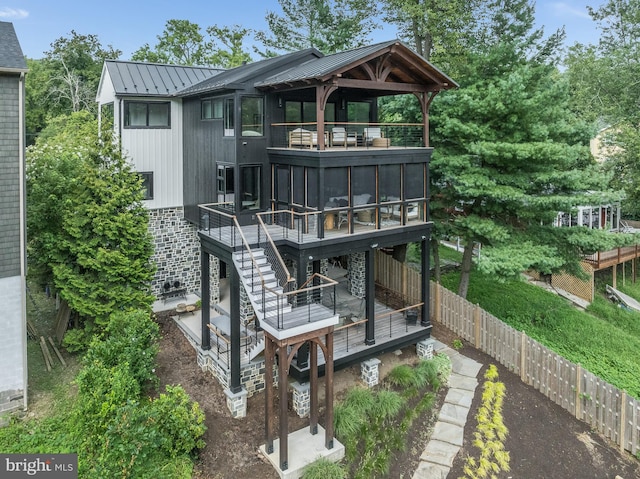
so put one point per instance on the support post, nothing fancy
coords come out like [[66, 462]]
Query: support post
[[284, 407], [328, 372], [268, 395], [313, 380], [234, 383], [424, 283], [370, 297], [205, 273]]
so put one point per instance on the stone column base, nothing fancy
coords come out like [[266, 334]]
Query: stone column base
[[424, 349], [301, 398], [237, 402], [369, 371]]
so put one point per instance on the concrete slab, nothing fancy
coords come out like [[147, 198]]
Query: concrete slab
[[450, 433], [459, 397], [463, 382], [440, 452], [428, 470], [304, 448], [453, 414]]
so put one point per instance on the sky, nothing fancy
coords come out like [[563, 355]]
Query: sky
[[128, 25]]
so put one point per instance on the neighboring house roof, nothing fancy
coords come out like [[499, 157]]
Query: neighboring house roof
[[237, 77], [11, 57], [155, 79]]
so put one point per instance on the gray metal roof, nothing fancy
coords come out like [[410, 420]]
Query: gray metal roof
[[324, 65], [154, 79], [11, 57], [330, 64], [237, 77]]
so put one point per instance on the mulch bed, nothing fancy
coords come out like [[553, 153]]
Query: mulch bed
[[544, 440]]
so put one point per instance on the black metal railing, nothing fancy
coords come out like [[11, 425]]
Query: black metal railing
[[347, 135]]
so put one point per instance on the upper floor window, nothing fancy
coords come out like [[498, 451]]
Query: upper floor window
[[252, 115], [229, 128], [211, 109], [140, 114]]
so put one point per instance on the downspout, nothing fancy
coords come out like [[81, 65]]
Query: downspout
[[23, 231]]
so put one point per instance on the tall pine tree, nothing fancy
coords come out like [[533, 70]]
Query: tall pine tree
[[509, 154]]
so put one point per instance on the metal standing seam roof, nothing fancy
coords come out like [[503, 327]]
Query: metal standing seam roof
[[234, 77], [11, 56], [145, 79], [328, 64]]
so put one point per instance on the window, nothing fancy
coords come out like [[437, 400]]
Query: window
[[251, 115], [297, 112], [147, 184], [211, 109], [250, 182], [147, 114], [414, 181], [228, 117], [225, 184]]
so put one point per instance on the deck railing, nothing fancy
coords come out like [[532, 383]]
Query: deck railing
[[222, 225], [347, 135]]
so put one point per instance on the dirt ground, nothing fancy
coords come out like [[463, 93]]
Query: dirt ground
[[544, 440]]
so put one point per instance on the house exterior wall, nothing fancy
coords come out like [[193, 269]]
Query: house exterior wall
[[13, 376], [176, 250], [158, 150]]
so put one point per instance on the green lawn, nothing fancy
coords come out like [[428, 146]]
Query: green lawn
[[605, 339]]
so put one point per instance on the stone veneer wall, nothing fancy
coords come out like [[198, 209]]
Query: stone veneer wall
[[177, 253], [356, 270]]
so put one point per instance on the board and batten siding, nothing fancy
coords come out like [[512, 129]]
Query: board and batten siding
[[10, 252], [158, 150]]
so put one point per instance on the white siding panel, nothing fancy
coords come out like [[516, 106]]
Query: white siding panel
[[160, 151]]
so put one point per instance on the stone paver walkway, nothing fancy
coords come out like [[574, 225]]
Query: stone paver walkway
[[448, 433]]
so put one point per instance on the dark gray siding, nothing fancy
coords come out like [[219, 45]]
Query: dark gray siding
[[9, 176], [204, 145]]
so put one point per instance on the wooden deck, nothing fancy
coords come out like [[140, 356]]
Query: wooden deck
[[606, 259]]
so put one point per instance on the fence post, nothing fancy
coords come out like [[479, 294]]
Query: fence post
[[623, 419], [578, 391], [523, 354], [437, 311], [476, 326]]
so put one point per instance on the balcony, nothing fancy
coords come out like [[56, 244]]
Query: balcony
[[341, 136]]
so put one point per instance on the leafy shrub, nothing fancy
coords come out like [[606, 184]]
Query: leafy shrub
[[130, 338], [442, 363], [403, 376], [324, 469]]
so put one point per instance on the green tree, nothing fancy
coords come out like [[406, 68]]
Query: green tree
[[53, 165], [329, 25], [434, 27], [181, 43], [232, 39], [65, 80], [102, 260], [510, 154], [604, 79], [88, 229]]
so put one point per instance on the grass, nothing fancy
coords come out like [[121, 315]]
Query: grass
[[605, 339], [374, 424]]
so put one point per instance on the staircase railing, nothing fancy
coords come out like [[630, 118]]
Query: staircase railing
[[273, 256]]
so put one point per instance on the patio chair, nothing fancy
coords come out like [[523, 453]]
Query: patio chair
[[301, 137], [371, 134], [340, 137]]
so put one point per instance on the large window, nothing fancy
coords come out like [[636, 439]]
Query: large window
[[139, 114], [414, 181], [305, 111], [251, 113], [225, 183], [250, 182]]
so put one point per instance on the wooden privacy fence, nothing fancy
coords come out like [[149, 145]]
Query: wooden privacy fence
[[603, 406]]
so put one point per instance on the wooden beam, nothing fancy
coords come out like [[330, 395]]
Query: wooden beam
[[313, 383], [329, 391], [269, 353]]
